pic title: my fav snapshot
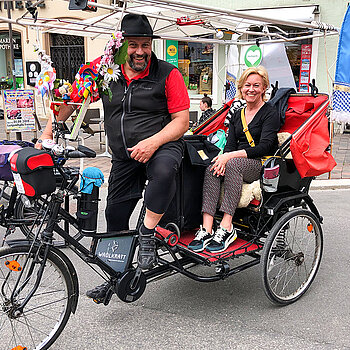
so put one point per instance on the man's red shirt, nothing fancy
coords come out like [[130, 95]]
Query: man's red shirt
[[175, 88]]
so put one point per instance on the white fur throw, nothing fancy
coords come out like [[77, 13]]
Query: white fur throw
[[250, 192]]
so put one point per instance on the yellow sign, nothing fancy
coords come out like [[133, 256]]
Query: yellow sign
[[172, 50]]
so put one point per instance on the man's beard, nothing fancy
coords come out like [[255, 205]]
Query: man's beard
[[138, 67]]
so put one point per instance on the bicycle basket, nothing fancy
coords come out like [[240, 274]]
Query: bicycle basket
[[33, 172]]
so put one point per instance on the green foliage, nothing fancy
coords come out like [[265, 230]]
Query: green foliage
[[121, 55]]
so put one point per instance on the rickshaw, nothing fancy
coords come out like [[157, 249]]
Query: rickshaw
[[282, 232]]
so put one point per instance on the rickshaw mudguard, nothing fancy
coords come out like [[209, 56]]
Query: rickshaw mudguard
[[65, 260], [276, 201]]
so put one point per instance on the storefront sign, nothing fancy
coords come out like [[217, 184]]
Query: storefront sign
[[305, 65], [5, 44], [19, 110], [253, 56], [172, 55]]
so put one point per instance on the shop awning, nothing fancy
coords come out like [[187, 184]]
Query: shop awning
[[181, 20]]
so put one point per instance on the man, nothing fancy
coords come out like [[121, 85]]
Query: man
[[205, 106], [145, 120]]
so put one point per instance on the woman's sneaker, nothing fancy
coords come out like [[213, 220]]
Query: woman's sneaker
[[221, 240], [200, 241]]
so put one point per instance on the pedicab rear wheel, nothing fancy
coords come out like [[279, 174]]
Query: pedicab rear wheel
[[291, 256]]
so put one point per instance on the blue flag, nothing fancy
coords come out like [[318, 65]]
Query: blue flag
[[341, 86]]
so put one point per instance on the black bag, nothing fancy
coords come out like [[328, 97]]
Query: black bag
[[199, 150], [198, 155], [33, 172]]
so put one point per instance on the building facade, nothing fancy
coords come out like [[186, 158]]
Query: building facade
[[202, 64]]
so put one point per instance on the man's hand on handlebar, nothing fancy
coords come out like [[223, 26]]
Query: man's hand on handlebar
[[39, 142]]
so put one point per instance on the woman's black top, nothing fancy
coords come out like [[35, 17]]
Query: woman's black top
[[263, 128]]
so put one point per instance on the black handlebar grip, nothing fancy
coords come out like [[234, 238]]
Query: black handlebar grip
[[89, 153], [76, 154]]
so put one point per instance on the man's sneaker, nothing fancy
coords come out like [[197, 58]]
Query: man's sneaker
[[147, 257], [221, 240], [200, 241], [98, 292]]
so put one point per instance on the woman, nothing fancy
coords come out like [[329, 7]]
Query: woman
[[240, 160]]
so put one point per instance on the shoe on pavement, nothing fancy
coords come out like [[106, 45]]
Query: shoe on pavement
[[201, 240], [221, 240], [98, 292]]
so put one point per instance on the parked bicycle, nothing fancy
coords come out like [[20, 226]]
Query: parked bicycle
[[26, 213]]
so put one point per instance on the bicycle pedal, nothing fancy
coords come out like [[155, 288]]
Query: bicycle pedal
[[108, 296], [98, 301], [106, 299]]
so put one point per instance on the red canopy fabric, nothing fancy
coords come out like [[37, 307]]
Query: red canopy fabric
[[308, 147], [300, 108], [215, 122]]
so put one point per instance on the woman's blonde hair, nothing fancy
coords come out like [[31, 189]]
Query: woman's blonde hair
[[260, 70]]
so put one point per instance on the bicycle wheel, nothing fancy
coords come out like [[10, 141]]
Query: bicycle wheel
[[47, 312], [30, 215], [291, 256], [34, 214]]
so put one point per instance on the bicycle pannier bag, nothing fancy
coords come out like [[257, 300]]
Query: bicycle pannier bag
[[33, 172]]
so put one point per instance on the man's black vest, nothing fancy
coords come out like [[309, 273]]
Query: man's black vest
[[137, 111]]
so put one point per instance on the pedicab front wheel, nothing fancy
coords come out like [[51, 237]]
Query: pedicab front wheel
[[291, 256], [38, 324]]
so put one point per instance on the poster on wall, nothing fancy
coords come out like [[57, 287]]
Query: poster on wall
[[19, 110], [305, 66]]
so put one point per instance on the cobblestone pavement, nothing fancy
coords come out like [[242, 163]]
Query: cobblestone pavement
[[340, 151]]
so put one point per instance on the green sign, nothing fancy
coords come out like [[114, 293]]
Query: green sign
[[253, 56], [172, 52]]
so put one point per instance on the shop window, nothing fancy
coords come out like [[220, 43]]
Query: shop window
[[196, 66], [6, 60], [298, 53], [299, 56]]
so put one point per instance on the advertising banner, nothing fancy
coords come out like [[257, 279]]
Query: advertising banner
[[172, 52], [305, 65], [19, 110]]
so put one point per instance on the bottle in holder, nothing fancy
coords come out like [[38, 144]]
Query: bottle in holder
[[92, 179], [87, 211]]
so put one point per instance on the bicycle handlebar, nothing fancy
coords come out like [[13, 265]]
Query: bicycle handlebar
[[75, 154], [81, 152]]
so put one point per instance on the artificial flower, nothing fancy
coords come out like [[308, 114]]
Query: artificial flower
[[112, 73], [104, 85]]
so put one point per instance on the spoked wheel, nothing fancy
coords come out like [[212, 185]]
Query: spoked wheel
[[291, 256], [32, 216], [43, 318]]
